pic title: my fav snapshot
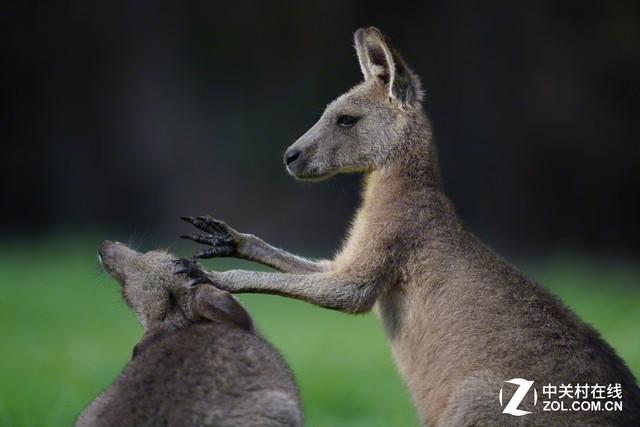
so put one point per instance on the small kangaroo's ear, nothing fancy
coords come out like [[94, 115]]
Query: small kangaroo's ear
[[215, 304], [378, 60]]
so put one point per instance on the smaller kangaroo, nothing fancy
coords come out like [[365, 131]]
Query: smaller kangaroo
[[200, 361], [460, 320]]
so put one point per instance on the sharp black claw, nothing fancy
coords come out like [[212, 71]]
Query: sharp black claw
[[188, 219], [188, 236], [186, 265], [199, 281], [217, 234], [192, 270], [200, 238], [205, 254]]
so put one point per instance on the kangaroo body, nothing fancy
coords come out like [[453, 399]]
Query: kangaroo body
[[205, 374], [459, 319], [200, 361]]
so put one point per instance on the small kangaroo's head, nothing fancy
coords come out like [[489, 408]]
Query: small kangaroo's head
[[364, 128], [158, 296]]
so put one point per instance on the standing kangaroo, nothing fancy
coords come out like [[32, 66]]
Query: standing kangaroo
[[460, 320]]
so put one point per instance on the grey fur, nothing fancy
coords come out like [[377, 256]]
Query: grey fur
[[200, 361], [460, 320]]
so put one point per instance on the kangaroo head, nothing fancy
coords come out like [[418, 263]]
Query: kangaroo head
[[159, 297], [364, 128]]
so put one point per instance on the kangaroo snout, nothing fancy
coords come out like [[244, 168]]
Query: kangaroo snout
[[104, 251], [301, 158], [107, 250], [296, 161], [112, 257], [291, 155]]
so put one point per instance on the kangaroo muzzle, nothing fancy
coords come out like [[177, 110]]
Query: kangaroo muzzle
[[113, 257], [296, 162]]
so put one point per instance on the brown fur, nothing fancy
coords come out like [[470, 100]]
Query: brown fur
[[200, 361], [459, 319]]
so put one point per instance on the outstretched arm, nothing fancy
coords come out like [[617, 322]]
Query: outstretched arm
[[351, 283], [227, 242], [327, 290]]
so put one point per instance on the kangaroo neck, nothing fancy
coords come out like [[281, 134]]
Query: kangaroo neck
[[411, 176]]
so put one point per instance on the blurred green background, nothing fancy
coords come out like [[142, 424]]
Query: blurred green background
[[66, 334]]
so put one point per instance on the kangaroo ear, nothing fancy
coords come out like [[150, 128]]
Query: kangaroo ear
[[378, 60], [215, 304]]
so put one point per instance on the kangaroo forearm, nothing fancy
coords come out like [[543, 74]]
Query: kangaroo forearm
[[323, 289], [256, 249]]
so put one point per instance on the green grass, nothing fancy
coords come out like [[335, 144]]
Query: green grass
[[65, 334]]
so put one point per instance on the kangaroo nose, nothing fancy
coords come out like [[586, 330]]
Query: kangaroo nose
[[103, 250], [104, 247], [291, 155]]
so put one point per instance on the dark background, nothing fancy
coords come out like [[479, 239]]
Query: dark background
[[123, 116]]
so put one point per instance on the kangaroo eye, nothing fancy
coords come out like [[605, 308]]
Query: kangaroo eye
[[347, 121]]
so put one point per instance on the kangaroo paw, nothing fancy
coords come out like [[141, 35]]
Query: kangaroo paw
[[223, 239], [193, 271]]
